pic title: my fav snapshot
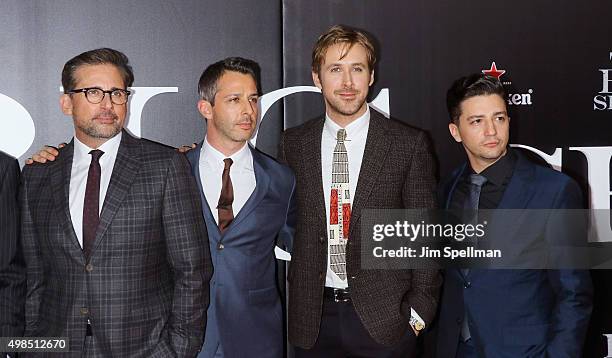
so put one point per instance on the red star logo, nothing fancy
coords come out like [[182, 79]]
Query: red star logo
[[493, 71]]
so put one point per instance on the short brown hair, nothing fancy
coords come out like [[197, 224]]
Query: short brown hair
[[101, 56], [345, 35]]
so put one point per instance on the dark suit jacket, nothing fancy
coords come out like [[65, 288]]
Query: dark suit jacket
[[519, 313], [245, 314], [145, 286], [12, 270], [397, 172]]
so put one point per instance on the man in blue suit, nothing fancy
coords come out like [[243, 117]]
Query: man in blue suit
[[248, 205], [506, 313], [248, 202]]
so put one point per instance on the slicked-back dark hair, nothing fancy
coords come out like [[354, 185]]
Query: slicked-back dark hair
[[99, 56], [466, 87], [207, 86]]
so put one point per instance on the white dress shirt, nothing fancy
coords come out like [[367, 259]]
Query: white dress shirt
[[241, 172], [78, 178], [356, 135]]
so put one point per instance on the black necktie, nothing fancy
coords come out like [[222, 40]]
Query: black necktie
[[476, 181], [91, 205], [470, 215], [224, 207]]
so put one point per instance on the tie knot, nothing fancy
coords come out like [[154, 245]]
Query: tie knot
[[96, 154], [477, 179], [227, 163], [341, 135]]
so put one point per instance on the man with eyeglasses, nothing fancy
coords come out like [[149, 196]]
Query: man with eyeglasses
[[240, 188], [115, 245]]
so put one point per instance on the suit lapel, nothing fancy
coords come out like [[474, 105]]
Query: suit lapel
[[311, 168], [194, 158], [376, 148], [262, 184], [517, 196], [60, 184], [450, 188], [126, 167], [519, 192], [461, 274]]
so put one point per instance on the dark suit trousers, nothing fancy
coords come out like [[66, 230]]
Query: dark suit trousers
[[343, 335]]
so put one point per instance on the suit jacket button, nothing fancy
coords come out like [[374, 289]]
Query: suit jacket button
[[322, 239], [320, 275], [89, 267], [459, 320], [220, 246], [84, 311], [467, 284]]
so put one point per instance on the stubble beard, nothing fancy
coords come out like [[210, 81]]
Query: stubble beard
[[100, 131], [345, 108], [237, 136]]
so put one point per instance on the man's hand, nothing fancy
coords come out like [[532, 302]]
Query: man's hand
[[49, 153], [46, 153], [185, 148]]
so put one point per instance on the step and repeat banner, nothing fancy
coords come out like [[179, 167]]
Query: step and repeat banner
[[169, 44], [554, 57]]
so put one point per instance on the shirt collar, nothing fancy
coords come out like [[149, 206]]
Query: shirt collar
[[110, 148], [353, 129], [500, 171], [215, 157]]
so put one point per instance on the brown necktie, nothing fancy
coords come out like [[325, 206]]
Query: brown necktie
[[224, 207], [91, 205]]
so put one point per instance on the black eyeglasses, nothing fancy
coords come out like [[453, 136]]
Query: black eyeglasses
[[96, 95]]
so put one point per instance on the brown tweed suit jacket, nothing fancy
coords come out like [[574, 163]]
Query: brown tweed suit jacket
[[397, 172]]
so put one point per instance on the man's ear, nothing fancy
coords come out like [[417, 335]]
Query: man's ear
[[205, 108], [316, 80], [66, 104], [454, 131], [371, 78]]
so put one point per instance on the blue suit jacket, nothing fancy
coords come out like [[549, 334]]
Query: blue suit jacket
[[519, 313], [245, 314]]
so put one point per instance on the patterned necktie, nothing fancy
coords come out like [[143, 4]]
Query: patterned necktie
[[476, 181], [224, 207], [340, 207], [91, 204]]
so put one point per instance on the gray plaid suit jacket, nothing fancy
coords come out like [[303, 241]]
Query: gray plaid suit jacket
[[397, 172], [12, 271], [145, 287]]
